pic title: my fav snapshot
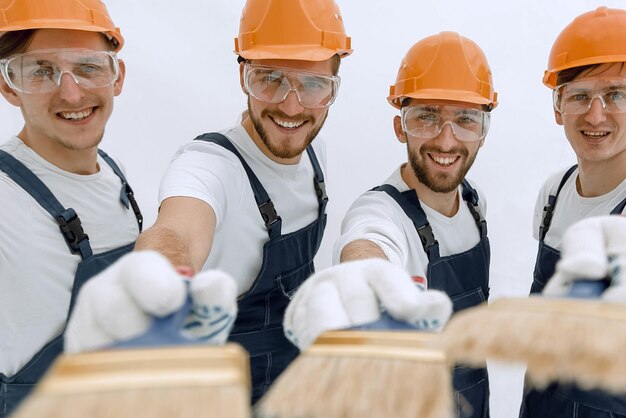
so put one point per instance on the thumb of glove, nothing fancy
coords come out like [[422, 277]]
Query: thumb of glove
[[214, 307]]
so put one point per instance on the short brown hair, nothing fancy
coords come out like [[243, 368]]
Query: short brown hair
[[15, 42], [570, 74]]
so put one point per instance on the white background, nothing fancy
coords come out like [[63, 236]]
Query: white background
[[182, 80]]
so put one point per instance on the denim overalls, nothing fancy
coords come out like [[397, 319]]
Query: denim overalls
[[560, 400], [14, 388], [465, 278], [287, 262]]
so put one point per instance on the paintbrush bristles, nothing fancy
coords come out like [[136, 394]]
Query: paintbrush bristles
[[191, 402], [578, 341], [171, 382], [344, 386]]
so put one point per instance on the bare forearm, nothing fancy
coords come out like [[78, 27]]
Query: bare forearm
[[361, 249], [168, 243]]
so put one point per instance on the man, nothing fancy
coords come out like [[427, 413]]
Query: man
[[251, 199], [587, 75], [427, 218], [59, 66]]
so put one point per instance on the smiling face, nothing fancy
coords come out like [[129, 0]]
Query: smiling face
[[71, 117], [597, 136], [440, 163], [284, 130]]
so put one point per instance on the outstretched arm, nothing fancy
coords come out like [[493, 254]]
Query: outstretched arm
[[361, 249], [183, 232]]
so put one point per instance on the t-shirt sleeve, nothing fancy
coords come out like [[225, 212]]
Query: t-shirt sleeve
[[207, 172], [374, 219]]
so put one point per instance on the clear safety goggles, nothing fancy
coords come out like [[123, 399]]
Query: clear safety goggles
[[41, 71], [427, 122], [576, 97], [273, 84]]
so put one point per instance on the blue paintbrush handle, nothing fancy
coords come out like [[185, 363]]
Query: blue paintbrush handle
[[386, 322], [588, 288], [163, 331]]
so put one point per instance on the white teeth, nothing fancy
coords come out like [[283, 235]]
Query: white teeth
[[444, 160], [595, 134], [288, 124], [76, 115]]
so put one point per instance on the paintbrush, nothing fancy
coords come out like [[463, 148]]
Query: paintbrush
[[372, 372], [159, 374], [565, 340]]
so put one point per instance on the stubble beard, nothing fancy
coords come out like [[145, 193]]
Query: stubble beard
[[284, 150], [439, 182]]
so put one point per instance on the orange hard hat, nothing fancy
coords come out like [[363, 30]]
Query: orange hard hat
[[595, 37], [87, 15], [446, 66], [308, 30]]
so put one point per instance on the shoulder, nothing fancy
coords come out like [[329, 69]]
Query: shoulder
[[551, 185]]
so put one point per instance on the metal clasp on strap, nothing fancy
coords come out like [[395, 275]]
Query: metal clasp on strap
[[72, 230], [548, 211], [269, 214], [426, 236], [320, 190]]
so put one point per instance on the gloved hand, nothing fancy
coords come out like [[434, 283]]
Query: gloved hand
[[353, 293], [120, 302], [593, 248]]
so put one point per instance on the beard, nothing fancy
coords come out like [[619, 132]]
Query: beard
[[285, 149], [439, 182]]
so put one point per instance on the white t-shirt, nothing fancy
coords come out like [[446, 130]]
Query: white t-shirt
[[36, 267], [376, 217], [571, 207], [213, 174]]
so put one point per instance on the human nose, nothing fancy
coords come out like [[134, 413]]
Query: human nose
[[596, 113], [446, 135], [69, 89], [291, 105]]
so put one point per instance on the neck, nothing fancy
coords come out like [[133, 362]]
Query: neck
[[256, 138], [83, 162], [445, 203], [600, 178]]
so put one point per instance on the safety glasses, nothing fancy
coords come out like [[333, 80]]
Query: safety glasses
[[273, 84], [427, 122], [575, 97], [41, 71]]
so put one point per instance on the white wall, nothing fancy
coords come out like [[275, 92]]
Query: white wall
[[182, 80]]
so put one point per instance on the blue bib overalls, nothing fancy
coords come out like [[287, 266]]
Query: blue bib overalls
[[465, 278], [14, 388], [560, 400], [287, 262]]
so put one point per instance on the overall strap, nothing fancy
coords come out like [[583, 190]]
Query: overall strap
[[410, 204], [318, 181], [548, 210], [619, 209], [67, 219], [273, 221], [470, 196], [127, 196]]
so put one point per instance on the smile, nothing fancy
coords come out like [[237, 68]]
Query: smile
[[443, 161], [76, 115], [288, 124], [595, 135]]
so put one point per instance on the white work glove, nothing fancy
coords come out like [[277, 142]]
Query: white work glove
[[354, 293], [593, 248], [121, 301]]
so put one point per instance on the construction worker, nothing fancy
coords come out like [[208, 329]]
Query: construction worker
[[251, 199], [67, 209], [587, 74], [426, 218]]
